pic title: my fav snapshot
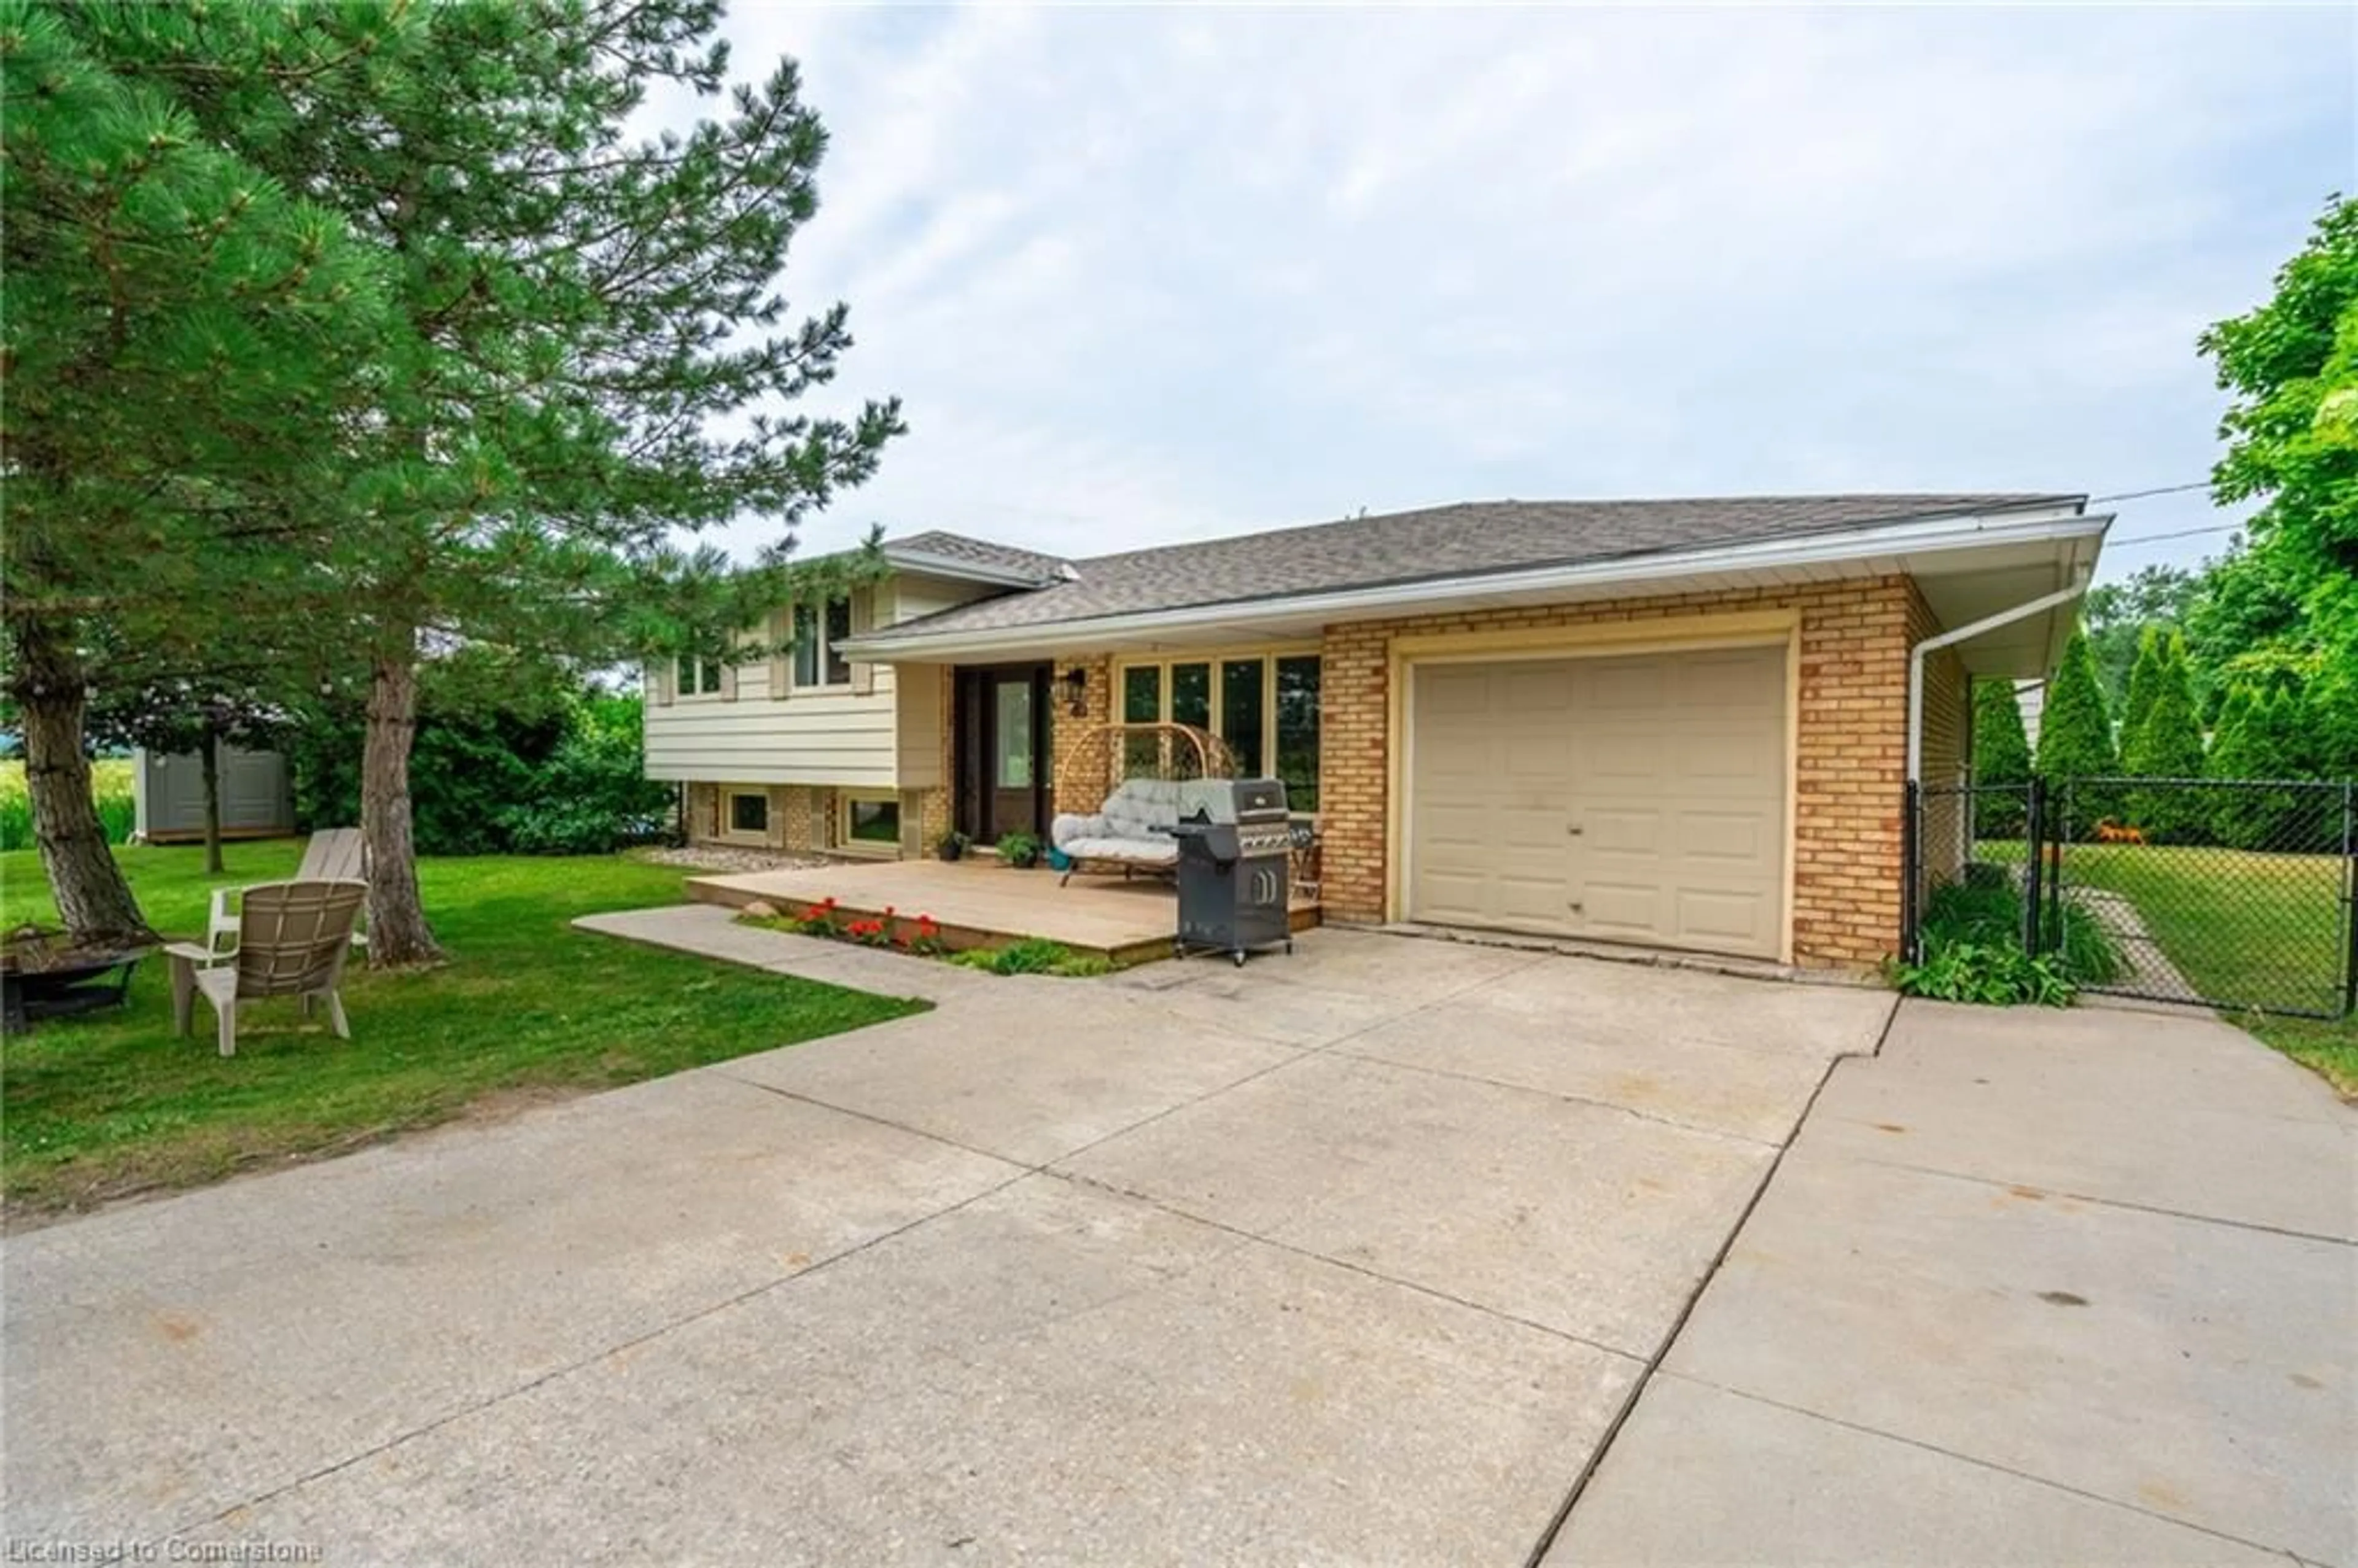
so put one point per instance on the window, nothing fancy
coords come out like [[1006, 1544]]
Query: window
[[872, 821], [749, 812], [696, 676], [1243, 711], [1191, 694], [1011, 767], [1142, 703], [806, 646], [817, 663], [1297, 730], [839, 630], [1265, 705]]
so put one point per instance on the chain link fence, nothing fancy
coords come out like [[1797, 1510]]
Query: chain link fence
[[2230, 893]]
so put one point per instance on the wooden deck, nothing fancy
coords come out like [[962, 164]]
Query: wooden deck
[[979, 903]]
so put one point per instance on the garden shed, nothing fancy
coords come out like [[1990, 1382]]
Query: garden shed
[[257, 795]]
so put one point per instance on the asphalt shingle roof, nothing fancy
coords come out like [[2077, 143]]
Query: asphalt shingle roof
[[979, 552], [1465, 540]]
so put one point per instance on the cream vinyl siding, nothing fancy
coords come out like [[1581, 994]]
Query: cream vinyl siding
[[1633, 798], [832, 735], [920, 716]]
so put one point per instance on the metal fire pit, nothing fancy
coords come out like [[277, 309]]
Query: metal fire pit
[[77, 980]]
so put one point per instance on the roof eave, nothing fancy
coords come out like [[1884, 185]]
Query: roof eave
[[1913, 538]]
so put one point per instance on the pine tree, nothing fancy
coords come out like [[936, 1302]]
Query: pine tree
[[2001, 760], [587, 350], [2304, 820], [2239, 751], [2258, 738], [2144, 674], [2168, 745], [2075, 739], [179, 332]]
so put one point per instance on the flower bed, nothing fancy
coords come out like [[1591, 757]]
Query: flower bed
[[922, 936]]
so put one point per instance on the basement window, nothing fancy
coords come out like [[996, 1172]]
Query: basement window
[[749, 812], [871, 820]]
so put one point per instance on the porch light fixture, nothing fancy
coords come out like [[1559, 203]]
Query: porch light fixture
[[1077, 691]]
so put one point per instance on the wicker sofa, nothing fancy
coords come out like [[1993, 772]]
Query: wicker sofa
[[1130, 833]]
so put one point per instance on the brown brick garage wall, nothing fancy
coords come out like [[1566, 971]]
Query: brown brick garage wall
[[1852, 738]]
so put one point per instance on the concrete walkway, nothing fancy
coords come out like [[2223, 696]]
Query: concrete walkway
[[1351, 1257], [2030, 1288]]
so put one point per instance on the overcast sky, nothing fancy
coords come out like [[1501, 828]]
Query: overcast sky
[[1156, 273]]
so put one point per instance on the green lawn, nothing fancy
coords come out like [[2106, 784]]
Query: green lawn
[[103, 1106], [2244, 927]]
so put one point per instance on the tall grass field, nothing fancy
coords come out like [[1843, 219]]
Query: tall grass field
[[110, 782]]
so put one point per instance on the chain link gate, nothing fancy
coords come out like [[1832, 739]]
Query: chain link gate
[[2235, 894]]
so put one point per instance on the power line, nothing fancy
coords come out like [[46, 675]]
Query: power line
[[2162, 490], [2181, 534]]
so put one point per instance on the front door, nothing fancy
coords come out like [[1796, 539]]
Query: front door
[[1002, 751]]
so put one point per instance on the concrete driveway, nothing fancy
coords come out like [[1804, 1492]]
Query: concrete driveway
[[2031, 1287], [1355, 1256]]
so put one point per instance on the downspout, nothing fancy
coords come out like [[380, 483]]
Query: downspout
[[1934, 644]]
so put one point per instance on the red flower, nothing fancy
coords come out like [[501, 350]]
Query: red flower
[[888, 912]]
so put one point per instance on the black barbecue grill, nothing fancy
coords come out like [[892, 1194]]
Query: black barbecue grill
[[1236, 846]]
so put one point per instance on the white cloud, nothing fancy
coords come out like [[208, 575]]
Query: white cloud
[[1142, 275]]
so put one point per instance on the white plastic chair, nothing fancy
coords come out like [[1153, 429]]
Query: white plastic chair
[[292, 939], [333, 855]]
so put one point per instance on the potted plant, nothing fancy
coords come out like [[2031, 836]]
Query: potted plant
[[951, 845], [1020, 850]]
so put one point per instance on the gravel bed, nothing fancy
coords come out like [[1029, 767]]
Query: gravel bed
[[717, 857]]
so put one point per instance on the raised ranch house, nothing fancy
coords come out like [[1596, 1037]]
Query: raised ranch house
[[1678, 723]]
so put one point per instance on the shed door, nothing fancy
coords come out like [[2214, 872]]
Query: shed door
[[1637, 799]]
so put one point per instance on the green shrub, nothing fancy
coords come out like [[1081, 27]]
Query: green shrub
[[1032, 956], [593, 796], [1020, 850], [467, 771], [549, 773], [2087, 954], [1978, 912], [1997, 976]]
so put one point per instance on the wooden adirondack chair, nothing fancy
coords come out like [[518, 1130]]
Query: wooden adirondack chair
[[333, 855], [292, 939]]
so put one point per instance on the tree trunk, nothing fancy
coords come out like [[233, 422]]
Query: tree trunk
[[93, 898], [397, 930], [209, 758]]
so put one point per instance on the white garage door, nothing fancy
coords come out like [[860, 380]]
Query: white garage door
[[1635, 799]]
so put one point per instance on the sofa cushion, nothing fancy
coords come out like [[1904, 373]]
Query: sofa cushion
[[1070, 825], [1141, 807], [1160, 850]]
